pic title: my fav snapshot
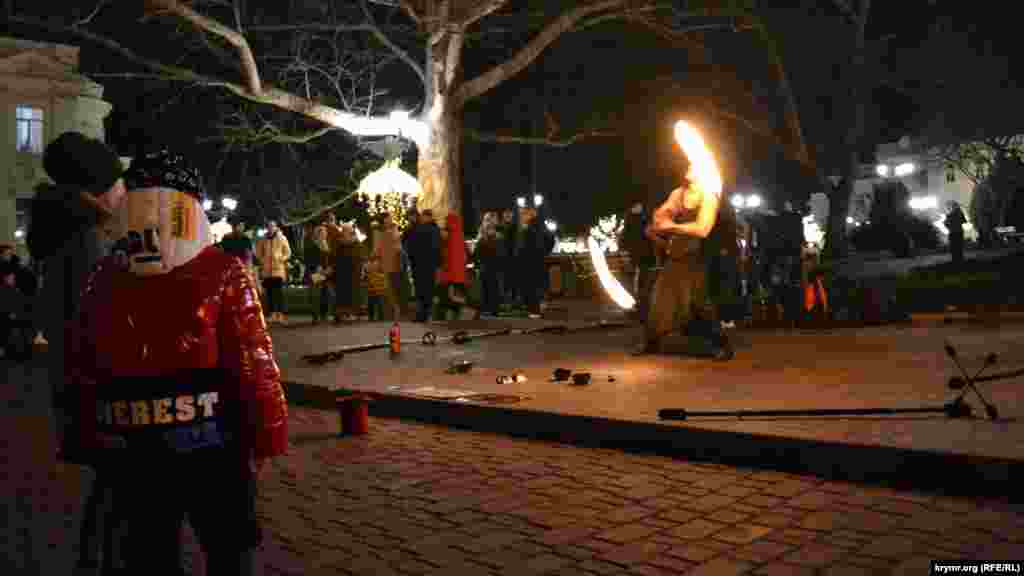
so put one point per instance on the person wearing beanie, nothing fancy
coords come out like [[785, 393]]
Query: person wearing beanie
[[177, 396]]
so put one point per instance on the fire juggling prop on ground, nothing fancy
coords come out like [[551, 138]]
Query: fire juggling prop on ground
[[707, 178]]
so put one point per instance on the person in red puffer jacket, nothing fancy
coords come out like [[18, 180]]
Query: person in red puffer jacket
[[172, 376]]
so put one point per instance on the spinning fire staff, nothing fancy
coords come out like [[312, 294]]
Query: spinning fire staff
[[678, 229]]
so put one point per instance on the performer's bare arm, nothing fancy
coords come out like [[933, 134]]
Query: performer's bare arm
[[664, 221]]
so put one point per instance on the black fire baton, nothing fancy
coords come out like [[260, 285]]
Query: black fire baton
[[955, 409]]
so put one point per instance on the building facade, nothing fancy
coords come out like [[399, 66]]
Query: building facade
[[931, 186], [42, 95]]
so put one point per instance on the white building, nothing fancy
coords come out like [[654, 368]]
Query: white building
[[930, 185], [41, 96]]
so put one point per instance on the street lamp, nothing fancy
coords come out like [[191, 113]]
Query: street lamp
[[905, 169], [538, 200], [19, 233], [521, 202], [737, 201], [207, 204], [230, 204], [753, 201], [882, 170], [551, 225]]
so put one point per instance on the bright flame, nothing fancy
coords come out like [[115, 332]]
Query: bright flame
[[702, 162], [610, 284]]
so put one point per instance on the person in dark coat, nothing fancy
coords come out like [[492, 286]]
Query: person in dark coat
[[955, 221], [533, 244], [489, 256], [424, 248], [722, 254], [507, 230], [641, 254], [65, 234]]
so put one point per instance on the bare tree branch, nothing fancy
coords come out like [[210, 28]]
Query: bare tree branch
[[846, 8], [85, 21], [402, 54], [250, 71], [528, 53], [538, 140], [480, 9]]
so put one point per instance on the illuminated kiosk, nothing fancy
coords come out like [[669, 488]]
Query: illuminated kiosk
[[390, 190]]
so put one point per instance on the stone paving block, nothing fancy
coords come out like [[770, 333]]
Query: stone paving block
[[598, 566], [678, 515], [544, 564], [722, 566], [634, 553], [763, 500], [814, 554], [564, 535], [694, 553], [762, 551], [742, 533], [729, 516], [709, 503], [891, 547], [849, 570], [628, 514], [783, 569], [696, 529], [628, 533]]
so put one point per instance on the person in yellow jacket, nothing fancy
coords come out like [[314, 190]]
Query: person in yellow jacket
[[273, 252]]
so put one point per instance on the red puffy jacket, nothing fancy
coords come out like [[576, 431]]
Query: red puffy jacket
[[455, 251], [204, 314]]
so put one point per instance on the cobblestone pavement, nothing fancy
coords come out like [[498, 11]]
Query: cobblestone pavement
[[416, 499]]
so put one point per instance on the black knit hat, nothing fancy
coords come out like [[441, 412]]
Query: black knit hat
[[77, 160], [164, 169]]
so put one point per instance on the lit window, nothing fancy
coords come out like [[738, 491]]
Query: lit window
[[29, 125]]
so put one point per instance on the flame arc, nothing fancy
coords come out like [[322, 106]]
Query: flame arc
[[608, 281]]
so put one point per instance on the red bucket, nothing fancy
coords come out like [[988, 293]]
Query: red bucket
[[355, 414]]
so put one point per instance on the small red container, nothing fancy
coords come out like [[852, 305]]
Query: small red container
[[355, 414]]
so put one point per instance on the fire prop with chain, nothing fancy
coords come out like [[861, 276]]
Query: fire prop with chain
[[707, 178]]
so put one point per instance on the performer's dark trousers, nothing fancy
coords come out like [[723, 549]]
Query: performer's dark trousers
[[211, 487], [956, 248], [678, 299], [424, 281], [274, 287]]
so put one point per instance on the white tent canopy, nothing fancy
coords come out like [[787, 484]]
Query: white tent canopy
[[389, 180]]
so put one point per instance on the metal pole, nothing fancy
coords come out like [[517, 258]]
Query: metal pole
[[682, 414]]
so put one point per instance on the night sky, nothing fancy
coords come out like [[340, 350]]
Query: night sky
[[612, 77]]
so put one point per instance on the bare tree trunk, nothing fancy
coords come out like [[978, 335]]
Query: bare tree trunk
[[440, 167]]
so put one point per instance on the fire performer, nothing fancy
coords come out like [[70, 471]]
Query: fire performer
[[678, 228]]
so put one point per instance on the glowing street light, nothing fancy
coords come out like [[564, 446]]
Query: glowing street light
[[538, 200], [849, 219], [521, 202], [753, 201], [551, 225], [229, 204], [19, 233], [207, 204], [904, 170], [924, 203], [738, 201], [882, 170], [261, 232]]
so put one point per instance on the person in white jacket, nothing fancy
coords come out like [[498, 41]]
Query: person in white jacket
[[273, 252]]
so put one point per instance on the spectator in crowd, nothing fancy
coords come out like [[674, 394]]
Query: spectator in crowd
[[315, 252], [489, 256], [955, 221], [273, 252], [387, 249], [533, 244], [507, 230], [424, 248], [65, 235], [15, 316], [172, 381], [641, 255], [376, 287], [453, 267], [346, 275], [722, 256]]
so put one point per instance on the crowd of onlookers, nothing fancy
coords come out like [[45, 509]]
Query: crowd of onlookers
[[425, 264]]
